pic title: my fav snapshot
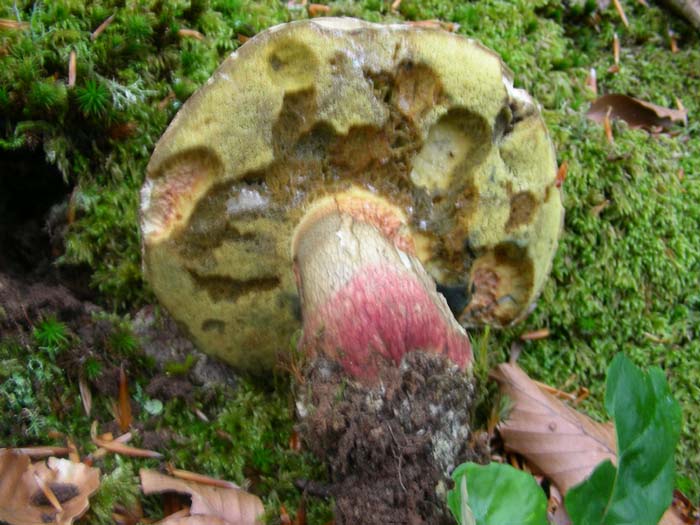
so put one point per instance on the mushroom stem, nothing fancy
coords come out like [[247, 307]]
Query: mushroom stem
[[366, 299]]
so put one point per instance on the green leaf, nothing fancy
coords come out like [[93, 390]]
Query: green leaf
[[647, 424], [496, 494], [153, 407]]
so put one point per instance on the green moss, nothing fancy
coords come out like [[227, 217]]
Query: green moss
[[624, 279], [248, 438]]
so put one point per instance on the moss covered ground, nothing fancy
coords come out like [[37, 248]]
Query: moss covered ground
[[626, 276]]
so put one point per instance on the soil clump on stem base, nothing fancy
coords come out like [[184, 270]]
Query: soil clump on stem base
[[390, 447]]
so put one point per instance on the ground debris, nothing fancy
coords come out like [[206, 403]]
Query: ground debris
[[391, 447]]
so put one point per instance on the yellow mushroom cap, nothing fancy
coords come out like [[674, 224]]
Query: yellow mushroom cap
[[425, 120]]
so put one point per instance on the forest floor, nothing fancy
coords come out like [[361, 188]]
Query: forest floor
[[626, 277]]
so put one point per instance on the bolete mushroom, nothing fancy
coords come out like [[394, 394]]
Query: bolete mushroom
[[380, 158]]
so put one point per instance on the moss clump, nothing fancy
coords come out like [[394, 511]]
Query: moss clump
[[130, 80], [626, 274]]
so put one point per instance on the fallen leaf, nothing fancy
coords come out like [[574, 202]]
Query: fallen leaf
[[212, 505], [637, 113], [54, 492], [562, 443]]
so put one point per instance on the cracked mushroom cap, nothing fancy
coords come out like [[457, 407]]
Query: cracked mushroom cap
[[425, 120]]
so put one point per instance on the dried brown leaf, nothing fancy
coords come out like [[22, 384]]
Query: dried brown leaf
[[32, 494], [637, 113], [562, 443], [212, 504]]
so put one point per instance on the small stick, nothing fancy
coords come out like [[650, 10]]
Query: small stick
[[47, 492], [100, 28], [284, 516], [561, 173], [555, 391], [42, 452], [582, 394], [592, 81], [679, 105], [595, 210], [73, 451], [200, 478], [395, 5], [85, 395], [621, 12], [542, 333], [616, 49], [12, 24], [72, 69], [673, 41], [125, 450], [608, 126], [190, 33]]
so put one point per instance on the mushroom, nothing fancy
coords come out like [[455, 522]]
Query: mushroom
[[368, 164]]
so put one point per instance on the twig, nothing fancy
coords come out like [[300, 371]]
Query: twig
[[592, 81], [190, 33], [542, 333], [621, 12], [40, 452], [608, 126], [397, 456], [561, 173], [100, 28], [200, 478], [72, 69], [47, 492]]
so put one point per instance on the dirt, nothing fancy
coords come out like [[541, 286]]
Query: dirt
[[390, 447]]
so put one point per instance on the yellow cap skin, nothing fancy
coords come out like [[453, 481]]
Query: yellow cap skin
[[427, 120]]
